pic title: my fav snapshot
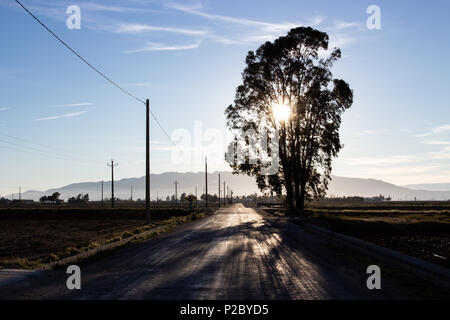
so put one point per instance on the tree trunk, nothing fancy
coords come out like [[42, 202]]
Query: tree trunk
[[290, 207], [288, 181], [300, 201], [297, 196]]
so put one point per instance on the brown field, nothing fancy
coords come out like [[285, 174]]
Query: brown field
[[32, 239], [421, 230], [35, 236]]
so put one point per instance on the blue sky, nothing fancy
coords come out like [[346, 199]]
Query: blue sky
[[60, 122]]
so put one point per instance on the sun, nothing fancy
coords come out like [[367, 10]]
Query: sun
[[281, 112]]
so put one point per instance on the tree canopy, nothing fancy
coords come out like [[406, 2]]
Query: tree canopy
[[293, 71]]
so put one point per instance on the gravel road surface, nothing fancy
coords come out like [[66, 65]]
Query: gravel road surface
[[236, 253]]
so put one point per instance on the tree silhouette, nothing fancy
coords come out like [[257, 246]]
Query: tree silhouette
[[290, 71], [191, 198], [79, 199]]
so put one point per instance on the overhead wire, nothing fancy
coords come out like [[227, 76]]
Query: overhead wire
[[94, 68]]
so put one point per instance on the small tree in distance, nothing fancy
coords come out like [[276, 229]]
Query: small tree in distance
[[191, 198]]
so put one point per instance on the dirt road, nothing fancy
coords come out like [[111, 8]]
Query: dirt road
[[236, 253]]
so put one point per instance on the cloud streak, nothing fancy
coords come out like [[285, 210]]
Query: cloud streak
[[162, 47], [67, 115], [340, 25], [140, 28], [272, 27], [436, 130], [381, 161], [84, 104], [248, 31], [108, 8], [4, 108]]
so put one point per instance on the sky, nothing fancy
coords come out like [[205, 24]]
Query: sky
[[61, 123]]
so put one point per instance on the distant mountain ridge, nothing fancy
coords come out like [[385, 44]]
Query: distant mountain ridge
[[163, 185], [429, 186]]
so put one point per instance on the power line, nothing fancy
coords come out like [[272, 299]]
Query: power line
[[162, 129], [94, 68], [52, 148], [41, 153], [75, 53], [44, 152]]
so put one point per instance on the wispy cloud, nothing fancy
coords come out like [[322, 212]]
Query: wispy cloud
[[68, 115], [437, 142], [381, 161], [339, 25], [242, 21], [441, 129], [101, 7], [162, 47], [84, 104], [251, 30], [140, 28], [400, 170], [372, 132], [436, 130], [443, 154], [4, 108]]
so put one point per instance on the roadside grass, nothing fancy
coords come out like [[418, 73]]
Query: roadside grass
[[159, 227]]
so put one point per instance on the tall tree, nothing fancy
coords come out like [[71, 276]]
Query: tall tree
[[294, 71]]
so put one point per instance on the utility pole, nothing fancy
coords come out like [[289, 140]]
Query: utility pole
[[131, 199], [196, 198], [176, 193], [206, 181], [112, 165], [147, 164], [231, 196], [157, 197], [224, 197], [102, 193], [219, 190], [20, 194]]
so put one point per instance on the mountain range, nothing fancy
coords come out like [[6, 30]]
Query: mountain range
[[163, 185]]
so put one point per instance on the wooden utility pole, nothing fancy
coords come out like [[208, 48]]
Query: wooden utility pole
[[219, 190], [147, 164], [102, 193], [20, 194], [206, 181], [112, 165], [131, 199], [176, 193], [224, 197]]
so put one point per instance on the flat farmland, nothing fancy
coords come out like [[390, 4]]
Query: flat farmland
[[417, 229], [30, 237]]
